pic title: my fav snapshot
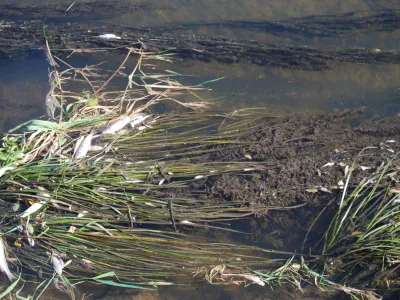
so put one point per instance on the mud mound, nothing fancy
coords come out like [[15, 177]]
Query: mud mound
[[305, 156]]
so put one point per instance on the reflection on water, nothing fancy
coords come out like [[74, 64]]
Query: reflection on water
[[23, 86], [24, 83]]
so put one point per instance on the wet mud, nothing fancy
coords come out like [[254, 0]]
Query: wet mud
[[17, 38], [306, 158]]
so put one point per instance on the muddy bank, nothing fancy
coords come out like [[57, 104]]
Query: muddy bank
[[18, 38], [306, 158], [310, 26], [303, 164]]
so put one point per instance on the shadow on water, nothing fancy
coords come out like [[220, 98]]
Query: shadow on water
[[24, 84]]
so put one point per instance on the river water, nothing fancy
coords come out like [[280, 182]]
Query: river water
[[24, 81]]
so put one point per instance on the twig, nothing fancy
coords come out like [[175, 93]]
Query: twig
[[171, 214], [115, 73]]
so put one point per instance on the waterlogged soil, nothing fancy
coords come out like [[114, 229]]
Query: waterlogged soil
[[303, 153], [305, 163]]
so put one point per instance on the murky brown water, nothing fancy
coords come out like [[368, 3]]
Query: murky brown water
[[24, 83]]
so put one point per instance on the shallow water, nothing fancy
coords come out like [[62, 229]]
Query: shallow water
[[24, 83]]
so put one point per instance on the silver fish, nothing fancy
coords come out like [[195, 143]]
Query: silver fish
[[58, 264], [3, 262], [138, 119], [254, 279], [78, 142], [84, 147], [116, 125]]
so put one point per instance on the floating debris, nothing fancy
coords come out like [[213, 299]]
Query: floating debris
[[109, 36], [5, 169], [32, 209], [95, 148], [363, 168], [329, 164], [186, 222], [323, 189], [70, 6], [71, 229]]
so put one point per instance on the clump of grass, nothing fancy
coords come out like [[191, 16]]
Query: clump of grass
[[362, 241]]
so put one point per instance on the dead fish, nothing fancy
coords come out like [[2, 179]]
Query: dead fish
[[3, 262], [186, 222], [51, 105], [116, 125], [78, 142], [137, 119], [254, 279], [58, 264], [109, 36], [84, 147]]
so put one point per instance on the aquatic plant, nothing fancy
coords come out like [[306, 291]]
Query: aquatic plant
[[362, 241]]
